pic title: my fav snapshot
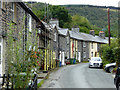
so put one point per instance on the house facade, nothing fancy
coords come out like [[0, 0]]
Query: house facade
[[20, 25], [84, 46], [63, 46], [76, 44]]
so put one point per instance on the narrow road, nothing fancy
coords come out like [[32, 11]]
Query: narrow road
[[79, 76]]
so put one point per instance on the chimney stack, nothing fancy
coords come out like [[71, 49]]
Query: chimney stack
[[54, 22], [92, 32], [102, 34], [75, 29]]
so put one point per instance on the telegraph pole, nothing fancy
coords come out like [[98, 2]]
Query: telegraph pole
[[109, 25]]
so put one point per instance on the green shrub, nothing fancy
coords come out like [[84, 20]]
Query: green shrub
[[109, 54], [40, 83]]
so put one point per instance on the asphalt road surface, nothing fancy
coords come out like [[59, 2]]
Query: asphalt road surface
[[79, 76]]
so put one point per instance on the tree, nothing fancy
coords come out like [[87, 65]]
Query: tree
[[82, 22], [45, 12], [62, 15], [110, 53]]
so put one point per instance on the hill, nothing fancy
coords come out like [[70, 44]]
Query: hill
[[97, 15]]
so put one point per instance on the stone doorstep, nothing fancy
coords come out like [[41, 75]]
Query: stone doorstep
[[42, 75]]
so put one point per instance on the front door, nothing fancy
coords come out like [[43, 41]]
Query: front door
[[1, 46], [79, 56], [63, 58]]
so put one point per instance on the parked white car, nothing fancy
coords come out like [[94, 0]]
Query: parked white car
[[95, 62]]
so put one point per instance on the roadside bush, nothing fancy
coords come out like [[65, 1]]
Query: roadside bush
[[117, 55], [114, 70], [109, 54]]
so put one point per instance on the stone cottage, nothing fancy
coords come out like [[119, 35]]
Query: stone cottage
[[20, 25]]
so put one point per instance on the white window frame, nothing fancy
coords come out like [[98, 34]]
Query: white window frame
[[30, 23], [30, 48], [67, 40], [84, 44], [2, 4], [12, 11], [55, 35], [84, 54]]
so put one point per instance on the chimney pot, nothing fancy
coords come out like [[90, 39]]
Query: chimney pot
[[92, 32]]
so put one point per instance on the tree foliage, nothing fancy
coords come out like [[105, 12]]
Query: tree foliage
[[97, 16], [111, 53], [62, 15], [83, 24], [45, 12]]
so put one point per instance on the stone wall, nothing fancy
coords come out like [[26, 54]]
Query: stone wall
[[20, 24]]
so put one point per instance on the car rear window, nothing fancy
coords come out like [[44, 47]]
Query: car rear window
[[95, 59]]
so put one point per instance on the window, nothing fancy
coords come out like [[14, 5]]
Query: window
[[13, 11], [84, 44], [92, 45], [30, 23], [30, 48], [2, 4], [84, 54], [55, 36], [91, 54], [67, 40]]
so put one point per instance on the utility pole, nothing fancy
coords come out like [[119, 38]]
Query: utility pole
[[109, 25]]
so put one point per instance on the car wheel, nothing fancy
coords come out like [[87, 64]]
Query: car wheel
[[110, 69], [118, 86]]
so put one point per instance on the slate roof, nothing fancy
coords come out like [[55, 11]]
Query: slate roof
[[63, 31], [49, 27], [87, 37], [101, 40], [77, 35]]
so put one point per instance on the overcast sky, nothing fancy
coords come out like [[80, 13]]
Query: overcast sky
[[88, 2]]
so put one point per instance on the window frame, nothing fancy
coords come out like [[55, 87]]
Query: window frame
[[84, 44], [30, 23], [13, 10], [55, 36], [2, 5], [67, 39], [84, 54], [92, 45]]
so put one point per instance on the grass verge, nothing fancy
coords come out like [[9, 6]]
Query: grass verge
[[40, 83]]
